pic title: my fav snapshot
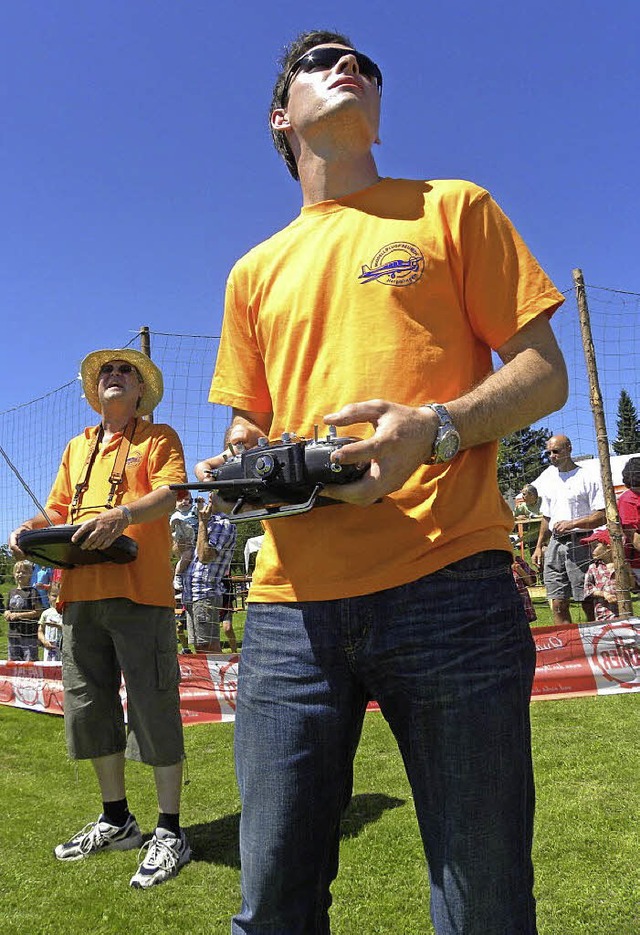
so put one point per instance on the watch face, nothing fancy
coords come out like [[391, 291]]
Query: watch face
[[448, 446]]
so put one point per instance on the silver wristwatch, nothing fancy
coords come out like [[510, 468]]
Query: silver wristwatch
[[447, 441]]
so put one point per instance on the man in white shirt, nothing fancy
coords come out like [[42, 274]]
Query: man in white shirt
[[572, 502]]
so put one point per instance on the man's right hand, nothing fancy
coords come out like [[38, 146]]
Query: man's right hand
[[246, 429]]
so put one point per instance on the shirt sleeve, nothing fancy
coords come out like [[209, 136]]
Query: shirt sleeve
[[596, 496], [239, 379], [221, 533], [166, 459], [505, 287], [628, 515]]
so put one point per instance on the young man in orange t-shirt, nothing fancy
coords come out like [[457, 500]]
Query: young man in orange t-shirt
[[376, 310], [118, 619]]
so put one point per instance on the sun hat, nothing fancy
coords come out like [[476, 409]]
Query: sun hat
[[151, 376], [600, 535]]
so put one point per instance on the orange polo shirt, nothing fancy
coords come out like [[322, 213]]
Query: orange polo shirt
[[155, 459], [397, 292]]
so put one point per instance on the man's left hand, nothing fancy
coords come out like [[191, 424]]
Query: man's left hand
[[101, 531], [402, 440]]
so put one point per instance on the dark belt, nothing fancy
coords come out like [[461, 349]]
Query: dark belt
[[570, 536]]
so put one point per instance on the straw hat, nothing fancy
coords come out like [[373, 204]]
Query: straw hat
[[151, 376]]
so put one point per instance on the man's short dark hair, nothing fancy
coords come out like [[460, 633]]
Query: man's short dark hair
[[631, 473], [291, 53]]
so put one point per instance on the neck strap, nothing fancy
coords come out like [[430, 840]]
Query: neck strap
[[117, 472]]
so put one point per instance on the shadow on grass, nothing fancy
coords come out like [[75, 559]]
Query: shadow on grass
[[216, 842]]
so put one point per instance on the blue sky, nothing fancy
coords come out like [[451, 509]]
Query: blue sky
[[136, 166]]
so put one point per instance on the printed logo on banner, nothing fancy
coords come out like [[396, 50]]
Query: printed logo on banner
[[6, 691], [28, 692], [228, 684], [562, 669], [615, 655], [53, 697]]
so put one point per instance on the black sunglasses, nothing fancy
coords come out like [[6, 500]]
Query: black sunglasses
[[327, 58], [121, 368]]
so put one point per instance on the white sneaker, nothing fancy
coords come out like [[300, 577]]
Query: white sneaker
[[100, 836], [165, 855]]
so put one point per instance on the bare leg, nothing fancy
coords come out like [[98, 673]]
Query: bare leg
[[110, 773], [168, 787], [229, 632]]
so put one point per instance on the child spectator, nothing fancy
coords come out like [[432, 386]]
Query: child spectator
[[50, 627], [524, 577], [23, 611], [600, 579], [184, 528]]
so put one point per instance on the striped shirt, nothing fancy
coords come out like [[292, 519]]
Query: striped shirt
[[203, 580]]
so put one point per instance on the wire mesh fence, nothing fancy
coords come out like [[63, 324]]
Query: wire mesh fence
[[35, 433]]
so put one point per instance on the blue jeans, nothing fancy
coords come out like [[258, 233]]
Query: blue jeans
[[450, 659]]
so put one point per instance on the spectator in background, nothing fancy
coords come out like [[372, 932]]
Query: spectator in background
[[600, 579], [203, 589], [184, 529], [50, 627], [529, 509], [525, 578], [23, 611], [572, 504], [41, 580], [226, 613], [629, 509]]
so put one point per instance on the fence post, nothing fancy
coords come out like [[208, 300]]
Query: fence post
[[625, 606], [145, 347]]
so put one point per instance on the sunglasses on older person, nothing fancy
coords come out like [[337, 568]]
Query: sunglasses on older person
[[121, 368], [328, 57]]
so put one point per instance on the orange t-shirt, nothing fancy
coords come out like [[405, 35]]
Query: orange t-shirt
[[155, 459], [396, 292]]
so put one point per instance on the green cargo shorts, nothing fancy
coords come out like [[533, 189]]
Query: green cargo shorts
[[103, 641]]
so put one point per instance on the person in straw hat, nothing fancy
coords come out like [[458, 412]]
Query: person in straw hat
[[119, 618]]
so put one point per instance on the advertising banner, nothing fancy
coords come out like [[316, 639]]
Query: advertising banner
[[572, 660]]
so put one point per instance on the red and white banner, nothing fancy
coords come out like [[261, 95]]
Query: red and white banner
[[587, 659], [573, 660], [207, 689]]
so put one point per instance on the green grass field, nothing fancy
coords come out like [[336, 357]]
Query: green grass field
[[586, 848]]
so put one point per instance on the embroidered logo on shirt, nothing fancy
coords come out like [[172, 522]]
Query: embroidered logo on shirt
[[396, 264]]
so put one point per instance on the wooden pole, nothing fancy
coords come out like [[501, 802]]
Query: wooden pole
[[611, 506], [145, 347]]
